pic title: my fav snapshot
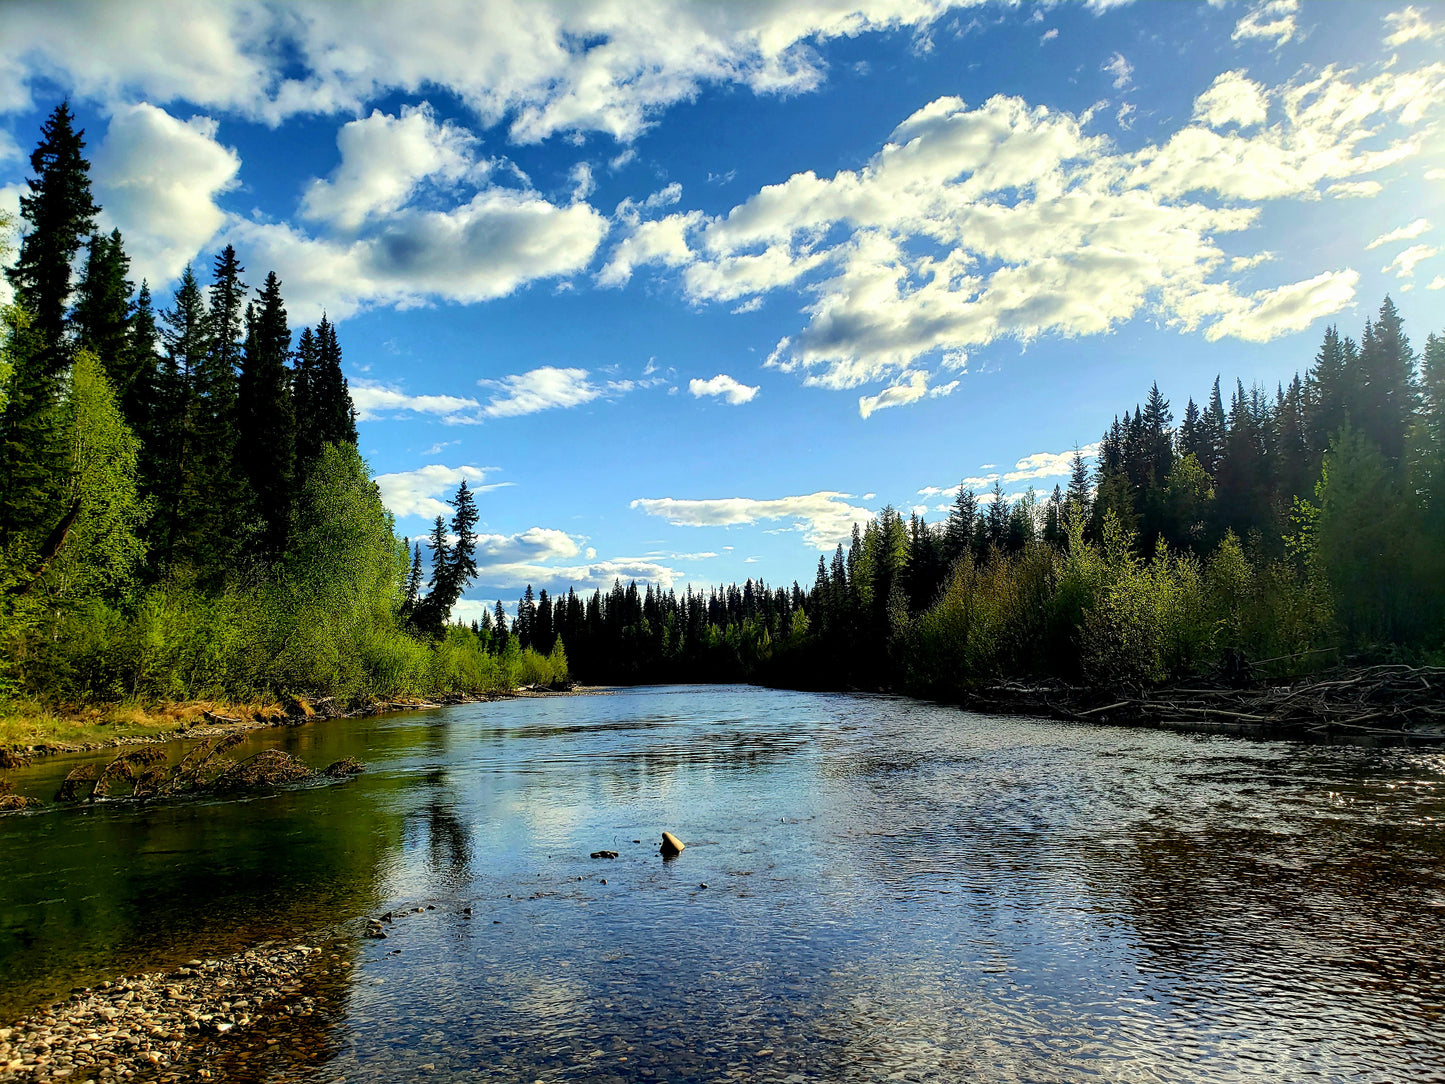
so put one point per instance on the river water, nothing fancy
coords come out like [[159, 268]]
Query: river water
[[893, 890]]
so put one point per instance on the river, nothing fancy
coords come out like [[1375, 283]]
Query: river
[[893, 890]]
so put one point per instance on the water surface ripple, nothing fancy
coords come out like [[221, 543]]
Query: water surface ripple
[[894, 890]]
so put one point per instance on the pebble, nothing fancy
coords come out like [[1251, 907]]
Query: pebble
[[156, 1019]]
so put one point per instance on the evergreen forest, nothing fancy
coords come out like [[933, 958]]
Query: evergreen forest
[[1289, 531], [184, 515]]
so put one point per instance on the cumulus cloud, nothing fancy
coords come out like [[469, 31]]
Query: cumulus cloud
[[724, 387], [546, 66], [157, 178], [1048, 464], [912, 387], [1270, 313], [1004, 219], [1272, 20], [383, 160], [374, 401], [416, 492], [824, 518], [488, 247], [1405, 263], [1232, 99], [1403, 233], [1409, 24], [546, 388]]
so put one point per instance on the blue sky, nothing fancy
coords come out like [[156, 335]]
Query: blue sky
[[686, 288]]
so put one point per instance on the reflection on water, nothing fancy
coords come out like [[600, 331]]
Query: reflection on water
[[892, 890]]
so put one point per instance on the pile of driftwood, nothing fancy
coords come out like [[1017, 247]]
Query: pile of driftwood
[[1392, 700], [143, 775]]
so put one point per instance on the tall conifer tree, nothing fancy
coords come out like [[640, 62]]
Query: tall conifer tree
[[266, 423], [61, 215]]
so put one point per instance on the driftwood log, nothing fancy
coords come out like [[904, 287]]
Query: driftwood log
[[1391, 699]]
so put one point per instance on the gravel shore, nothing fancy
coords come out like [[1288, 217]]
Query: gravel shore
[[184, 1024]]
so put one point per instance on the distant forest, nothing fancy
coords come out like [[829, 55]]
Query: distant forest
[[184, 515], [1283, 532]]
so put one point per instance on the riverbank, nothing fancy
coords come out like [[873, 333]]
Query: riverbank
[[1388, 702], [178, 1025], [39, 732]]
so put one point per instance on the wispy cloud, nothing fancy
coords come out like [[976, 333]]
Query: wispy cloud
[[1404, 233], [824, 518], [547, 388]]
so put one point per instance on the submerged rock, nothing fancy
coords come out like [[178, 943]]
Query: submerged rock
[[604, 854]]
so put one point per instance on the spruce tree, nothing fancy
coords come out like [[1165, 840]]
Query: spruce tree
[[177, 489], [101, 318], [224, 522], [266, 424], [1077, 499], [139, 402], [61, 215], [1389, 402]]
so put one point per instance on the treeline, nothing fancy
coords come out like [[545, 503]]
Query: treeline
[[183, 510], [1280, 533]]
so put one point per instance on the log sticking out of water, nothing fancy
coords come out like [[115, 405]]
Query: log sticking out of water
[[1388, 700]]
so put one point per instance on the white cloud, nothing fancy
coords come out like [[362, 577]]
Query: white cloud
[[1271, 20], [1409, 24], [157, 178], [1009, 220], [1403, 233], [1437, 283], [913, 386], [376, 400], [545, 66], [1232, 99], [1270, 313], [1355, 189], [664, 197], [1049, 35], [725, 387], [383, 160], [1048, 464], [825, 518], [489, 247], [1405, 263], [1120, 69], [546, 388], [416, 492]]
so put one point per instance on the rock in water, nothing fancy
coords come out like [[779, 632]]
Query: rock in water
[[671, 845], [604, 854]]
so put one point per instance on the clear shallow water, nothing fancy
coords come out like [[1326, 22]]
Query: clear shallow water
[[894, 889]]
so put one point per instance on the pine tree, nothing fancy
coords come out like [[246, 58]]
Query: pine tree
[[411, 592], [33, 451], [463, 555], [960, 529], [499, 629], [1078, 499], [141, 399], [525, 625], [1390, 397], [178, 491], [61, 214], [102, 315], [266, 424], [223, 523]]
